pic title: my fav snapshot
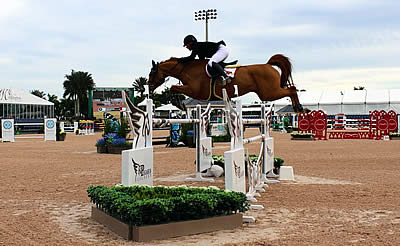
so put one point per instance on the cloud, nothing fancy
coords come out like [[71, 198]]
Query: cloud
[[115, 42], [5, 61], [11, 8], [282, 31]]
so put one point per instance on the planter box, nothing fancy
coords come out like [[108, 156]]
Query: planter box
[[61, 137], [101, 149], [164, 231], [394, 137], [116, 149]]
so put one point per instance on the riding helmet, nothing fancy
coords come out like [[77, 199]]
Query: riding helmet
[[189, 39]]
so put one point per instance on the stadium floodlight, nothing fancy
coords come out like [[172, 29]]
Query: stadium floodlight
[[209, 14]]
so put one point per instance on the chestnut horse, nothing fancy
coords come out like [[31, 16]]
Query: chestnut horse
[[262, 79]]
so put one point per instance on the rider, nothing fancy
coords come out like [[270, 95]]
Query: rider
[[217, 52]]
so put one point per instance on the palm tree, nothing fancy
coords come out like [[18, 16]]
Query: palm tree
[[76, 87], [57, 108], [38, 93], [66, 108], [138, 85]]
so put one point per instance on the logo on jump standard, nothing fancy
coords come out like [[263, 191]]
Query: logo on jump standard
[[238, 171], [140, 172], [7, 125]]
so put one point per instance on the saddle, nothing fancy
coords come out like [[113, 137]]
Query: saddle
[[212, 73]]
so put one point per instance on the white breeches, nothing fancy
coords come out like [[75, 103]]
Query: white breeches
[[221, 54]]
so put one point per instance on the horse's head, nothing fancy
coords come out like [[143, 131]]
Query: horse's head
[[156, 77], [160, 71]]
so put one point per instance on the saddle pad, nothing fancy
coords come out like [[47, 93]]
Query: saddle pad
[[230, 71]]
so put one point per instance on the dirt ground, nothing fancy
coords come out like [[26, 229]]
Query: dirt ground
[[346, 193]]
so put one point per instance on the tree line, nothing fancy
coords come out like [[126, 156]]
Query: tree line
[[74, 103]]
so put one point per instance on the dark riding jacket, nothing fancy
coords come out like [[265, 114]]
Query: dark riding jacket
[[202, 50]]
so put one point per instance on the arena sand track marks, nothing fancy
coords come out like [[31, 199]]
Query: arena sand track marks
[[352, 199]]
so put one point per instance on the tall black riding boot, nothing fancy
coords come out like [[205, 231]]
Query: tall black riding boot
[[220, 70]]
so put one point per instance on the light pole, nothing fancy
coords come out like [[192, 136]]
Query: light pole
[[209, 14]]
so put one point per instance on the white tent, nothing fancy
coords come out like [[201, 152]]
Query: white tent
[[394, 96], [249, 99], [20, 96], [353, 102], [377, 100], [167, 107], [347, 102], [310, 99], [329, 101], [20, 104]]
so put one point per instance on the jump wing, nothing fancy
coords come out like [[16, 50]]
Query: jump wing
[[138, 120]]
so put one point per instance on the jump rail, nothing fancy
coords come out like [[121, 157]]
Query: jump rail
[[8, 129]]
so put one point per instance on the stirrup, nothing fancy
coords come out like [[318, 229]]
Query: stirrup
[[226, 80]]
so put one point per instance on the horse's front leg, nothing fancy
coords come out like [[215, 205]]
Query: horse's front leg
[[184, 89], [175, 99]]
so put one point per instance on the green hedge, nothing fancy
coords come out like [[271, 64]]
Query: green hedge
[[224, 138], [143, 205]]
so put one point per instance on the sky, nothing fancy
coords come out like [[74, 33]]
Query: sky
[[333, 45]]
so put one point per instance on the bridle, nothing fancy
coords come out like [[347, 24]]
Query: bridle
[[154, 70]]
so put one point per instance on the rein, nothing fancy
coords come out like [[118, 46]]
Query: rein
[[179, 74]]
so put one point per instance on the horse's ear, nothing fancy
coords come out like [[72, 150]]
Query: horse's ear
[[153, 63]]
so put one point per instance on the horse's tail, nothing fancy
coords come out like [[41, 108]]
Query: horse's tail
[[285, 66]]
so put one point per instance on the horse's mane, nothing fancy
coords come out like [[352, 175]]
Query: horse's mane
[[175, 59], [170, 59]]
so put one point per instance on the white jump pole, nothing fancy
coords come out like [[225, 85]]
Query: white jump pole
[[203, 145], [8, 129]]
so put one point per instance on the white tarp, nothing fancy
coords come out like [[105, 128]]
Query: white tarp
[[20, 96]]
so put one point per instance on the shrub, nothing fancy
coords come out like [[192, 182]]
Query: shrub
[[109, 127], [123, 129], [144, 205]]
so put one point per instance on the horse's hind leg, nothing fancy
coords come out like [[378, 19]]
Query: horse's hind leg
[[297, 107]]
